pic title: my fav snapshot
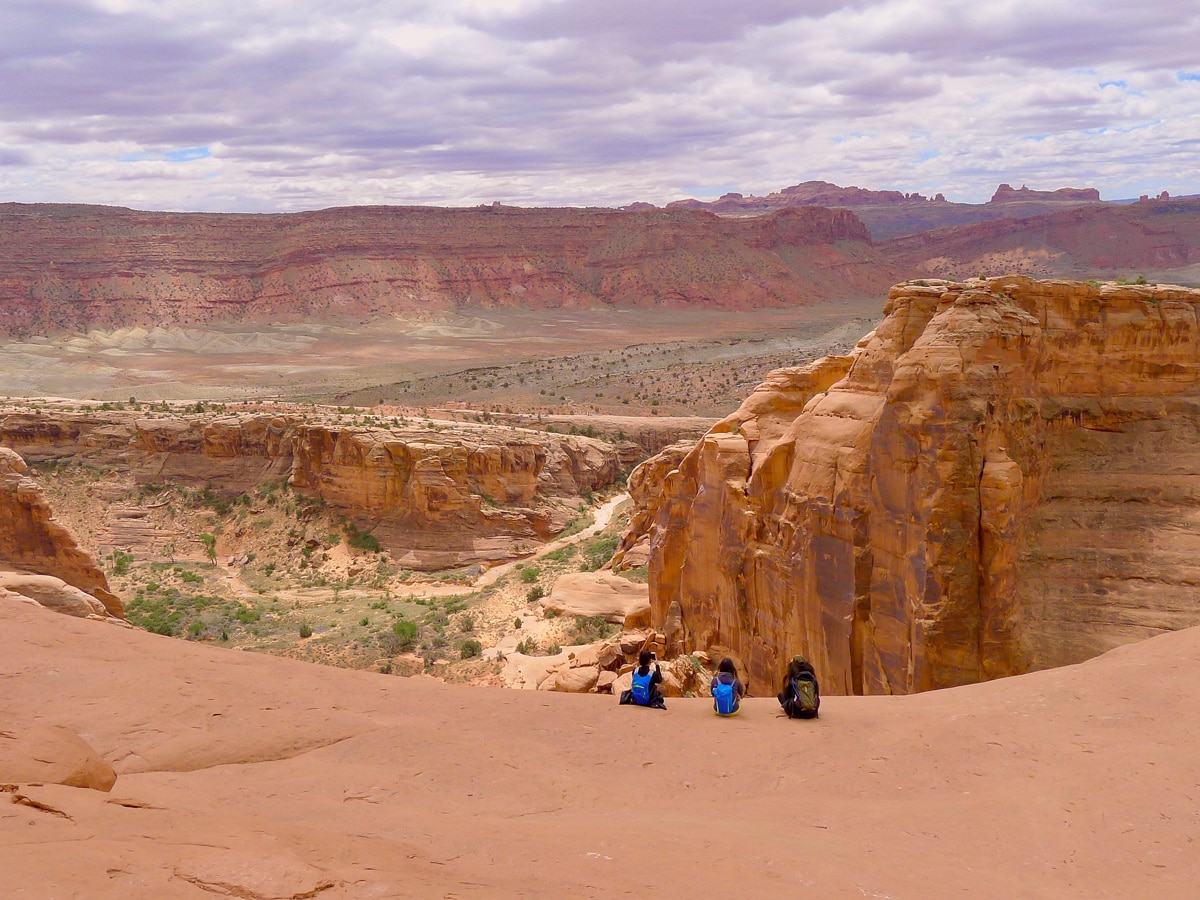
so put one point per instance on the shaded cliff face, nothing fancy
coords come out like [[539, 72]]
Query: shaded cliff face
[[1004, 475], [436, 495], [39, 556], [65, 267]]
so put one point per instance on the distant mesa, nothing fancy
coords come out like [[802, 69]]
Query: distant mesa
[[1006, 194], [66, 267], [809, 193]]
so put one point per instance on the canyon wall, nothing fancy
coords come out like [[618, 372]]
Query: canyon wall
[[39, 557], [66, 267], [435, 494], [1003, 476]]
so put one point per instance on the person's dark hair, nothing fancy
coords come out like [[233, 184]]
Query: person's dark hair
[[726, 665], [644, 658]]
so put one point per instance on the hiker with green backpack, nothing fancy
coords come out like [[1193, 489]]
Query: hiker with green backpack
[[801, 695]]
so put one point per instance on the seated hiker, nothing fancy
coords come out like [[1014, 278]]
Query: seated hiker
[[801, 695], [644, 691], [727, 691]]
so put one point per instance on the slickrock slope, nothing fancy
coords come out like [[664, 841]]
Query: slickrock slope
[[244, 775], [67, 267], [1003, 476], [39, 557], [435, 494]]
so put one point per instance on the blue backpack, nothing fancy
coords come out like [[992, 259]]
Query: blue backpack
[[723, 698], [641, 687]]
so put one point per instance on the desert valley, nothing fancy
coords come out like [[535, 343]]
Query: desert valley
[[329, 539]]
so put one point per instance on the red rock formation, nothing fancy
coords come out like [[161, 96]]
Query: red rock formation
[[1094, 240], [1006, 194], [66, 267], [1003, 476], [435, 495], [33, 541]]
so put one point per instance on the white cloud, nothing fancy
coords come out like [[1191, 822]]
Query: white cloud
[[314, 103]]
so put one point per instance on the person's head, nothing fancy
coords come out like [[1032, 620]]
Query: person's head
[[645, 658], [726, 665], [798, 664]]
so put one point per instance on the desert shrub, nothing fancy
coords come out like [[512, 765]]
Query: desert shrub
[[210, 546], [362, 540], [517, 622], [214, 501], [470, 648], [195, 629], [589, 629], [531, 574], [466, 623], [406, 633], [364, 621], [305, 630], [599, 551], [535, 593], [562, 554], [189, 577], [527, 647], [120, 562], [388, 643]]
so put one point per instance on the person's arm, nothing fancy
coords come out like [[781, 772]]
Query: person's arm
[[656, 678], [738, 689]]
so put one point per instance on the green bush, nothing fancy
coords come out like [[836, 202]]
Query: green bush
[[362, 540], [531, 574], [305, 630], [120, 562], [535, 593], [470, 648], [406, 633], [589, 629]]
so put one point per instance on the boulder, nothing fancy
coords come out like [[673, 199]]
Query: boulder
[[33, 752], [597, 594]]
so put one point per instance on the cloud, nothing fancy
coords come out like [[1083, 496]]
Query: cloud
[[317, 103]]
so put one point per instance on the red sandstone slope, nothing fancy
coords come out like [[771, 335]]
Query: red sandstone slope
[[250, 776], [1151, 237], [66, 267]]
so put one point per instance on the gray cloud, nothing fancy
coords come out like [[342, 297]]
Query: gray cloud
[[320, 103]]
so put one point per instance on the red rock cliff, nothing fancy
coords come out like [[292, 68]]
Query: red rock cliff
[[1004, 475], [65, 267], [435, 494]]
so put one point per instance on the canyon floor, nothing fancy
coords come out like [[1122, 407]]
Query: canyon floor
[[244, 775], [616, 361]]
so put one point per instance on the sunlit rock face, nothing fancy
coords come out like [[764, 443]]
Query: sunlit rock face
[[40, 559], [436, 495], [1003, 476]]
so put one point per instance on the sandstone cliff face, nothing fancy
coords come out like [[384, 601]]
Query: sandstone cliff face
[[1004, 475], [435, 495], [65, 267], [50, 567]]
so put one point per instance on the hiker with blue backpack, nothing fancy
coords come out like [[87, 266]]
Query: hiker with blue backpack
[[727, 691], [801, 695], [644, 690]]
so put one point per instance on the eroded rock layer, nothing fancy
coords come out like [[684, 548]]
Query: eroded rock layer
[[39, 557], [436, 495], [1003, 476], [71, 266]]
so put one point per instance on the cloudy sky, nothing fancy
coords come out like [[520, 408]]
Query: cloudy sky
[[265, 105]]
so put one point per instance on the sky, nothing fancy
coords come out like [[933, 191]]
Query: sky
[[284, 105]]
